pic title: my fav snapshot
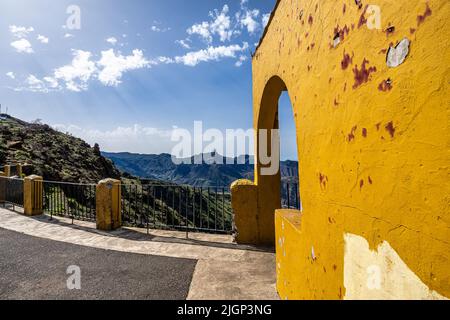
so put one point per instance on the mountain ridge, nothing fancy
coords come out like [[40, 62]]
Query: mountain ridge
[[161, 167]]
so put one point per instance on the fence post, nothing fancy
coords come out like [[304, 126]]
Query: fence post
[[7, 172], [244, 201], [108, 205], [32, 195]]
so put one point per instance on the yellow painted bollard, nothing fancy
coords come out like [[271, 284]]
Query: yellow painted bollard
[[7, 171], [244, 194], [33, 195], [108, 205]]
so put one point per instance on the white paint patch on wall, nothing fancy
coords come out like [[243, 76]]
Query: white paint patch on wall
[[380, 274]]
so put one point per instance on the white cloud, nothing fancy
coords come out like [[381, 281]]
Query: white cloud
[[11, 75], [265, 19], [113, 65], [51, 82], [22, 46], [20, 32], [248, 20], [164, 60], [158, 29], [219, 25], [241, 61], [77, 74], [222, 24], [35, 84], [201, 29], [112, 41], [68, 35], [136, 138], [184, 43], [211, 54], [42, 39]]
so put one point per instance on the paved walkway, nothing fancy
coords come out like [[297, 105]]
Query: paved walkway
[[222, 270], [36, 268]]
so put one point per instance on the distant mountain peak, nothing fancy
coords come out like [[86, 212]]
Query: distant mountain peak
[[206, 173]]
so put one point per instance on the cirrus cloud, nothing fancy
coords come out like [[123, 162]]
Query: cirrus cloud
[[211, 54]]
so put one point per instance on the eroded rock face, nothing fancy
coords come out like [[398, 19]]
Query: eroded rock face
[[397, 55]]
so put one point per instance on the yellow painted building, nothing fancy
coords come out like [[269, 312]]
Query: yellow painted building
[[369, 84]]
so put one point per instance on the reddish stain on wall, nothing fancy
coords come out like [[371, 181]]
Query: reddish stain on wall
[[421, 18], [346, 61], [362, 76], [364, 132], [385, 85], [341, 33], [351, 135], [362, 19], [390, 128], [323, 180], [336, 103]]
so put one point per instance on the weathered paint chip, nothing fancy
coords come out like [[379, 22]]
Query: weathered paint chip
[[389, 30], [396, 56], [336, 40]]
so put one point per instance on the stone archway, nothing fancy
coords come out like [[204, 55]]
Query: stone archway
[[268, 185], [255, 203]]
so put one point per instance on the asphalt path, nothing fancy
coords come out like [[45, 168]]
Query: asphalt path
[[35, 268]]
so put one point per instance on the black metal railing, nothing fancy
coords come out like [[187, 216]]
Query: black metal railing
[[13, 171], [290, 196], [76, 201], [11, 192], [174, 207]]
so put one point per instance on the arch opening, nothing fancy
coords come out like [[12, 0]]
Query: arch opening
[[289, 164], [272, 193]]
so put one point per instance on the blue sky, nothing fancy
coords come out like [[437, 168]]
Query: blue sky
[[134, 69]]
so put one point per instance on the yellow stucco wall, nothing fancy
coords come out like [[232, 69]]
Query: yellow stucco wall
[[374, 141]]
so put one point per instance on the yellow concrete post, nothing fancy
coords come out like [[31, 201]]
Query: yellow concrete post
[[245, 208], [32, 195], [108, 205], [7, 172]]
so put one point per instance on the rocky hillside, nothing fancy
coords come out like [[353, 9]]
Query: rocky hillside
[[52, 154]]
